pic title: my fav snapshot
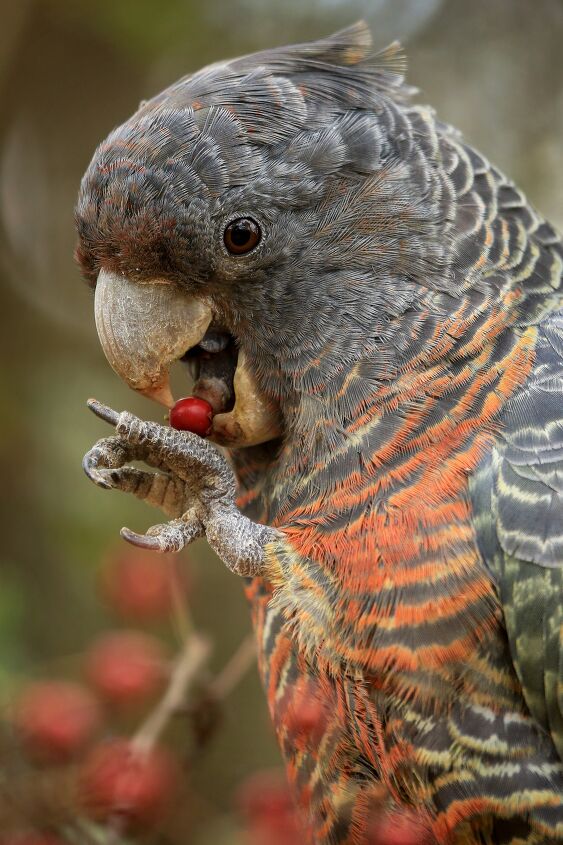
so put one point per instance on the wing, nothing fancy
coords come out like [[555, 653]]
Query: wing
[[518, 502]]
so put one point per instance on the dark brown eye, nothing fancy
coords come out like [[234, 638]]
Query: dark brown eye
[[242, 235]]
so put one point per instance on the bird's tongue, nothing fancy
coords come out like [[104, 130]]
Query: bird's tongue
[[213, 363]]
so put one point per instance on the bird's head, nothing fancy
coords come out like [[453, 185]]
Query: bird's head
[[255, 205]]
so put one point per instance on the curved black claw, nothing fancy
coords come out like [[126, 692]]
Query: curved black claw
[[143, 541], [168, 536], [103, 411], [93, 473]]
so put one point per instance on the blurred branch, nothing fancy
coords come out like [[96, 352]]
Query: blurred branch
[[233, 671], [196, 651]]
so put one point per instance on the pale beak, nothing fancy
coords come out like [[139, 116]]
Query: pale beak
[[144, 328]]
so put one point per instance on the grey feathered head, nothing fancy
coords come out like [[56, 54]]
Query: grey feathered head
[[286, 189]]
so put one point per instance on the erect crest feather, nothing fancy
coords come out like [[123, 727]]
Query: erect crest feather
[[350, 47], [354, 46]]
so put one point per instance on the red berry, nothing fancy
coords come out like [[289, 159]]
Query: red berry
[[265, 800], [264, 793], [400, 828], [306, 715], [56, 720], [140, 585], [192, 414], [126, 667], [278, 830], [117, 781]]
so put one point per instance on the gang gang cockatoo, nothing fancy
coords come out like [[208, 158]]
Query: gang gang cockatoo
[[373, 311]]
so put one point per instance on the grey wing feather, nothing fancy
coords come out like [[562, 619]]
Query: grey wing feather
[[528, 491], [518, 502]]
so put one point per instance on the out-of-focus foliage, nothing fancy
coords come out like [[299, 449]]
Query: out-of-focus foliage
[[69, 72]]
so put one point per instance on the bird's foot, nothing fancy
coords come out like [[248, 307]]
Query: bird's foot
[[193, 484]]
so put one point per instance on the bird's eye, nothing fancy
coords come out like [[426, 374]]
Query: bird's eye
[[242, 235]]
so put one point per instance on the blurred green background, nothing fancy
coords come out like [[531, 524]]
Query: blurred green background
[[69, 72]]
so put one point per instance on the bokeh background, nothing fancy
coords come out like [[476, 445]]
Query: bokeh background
[[69, 72]]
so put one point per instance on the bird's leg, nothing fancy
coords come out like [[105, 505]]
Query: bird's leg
[[194, 484]]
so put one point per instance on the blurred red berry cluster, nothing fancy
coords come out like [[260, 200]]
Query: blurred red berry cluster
[[305, 719], [400, 827], [118, 781], [266, 806], [140, 586], [73, 726], [90, 746]]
